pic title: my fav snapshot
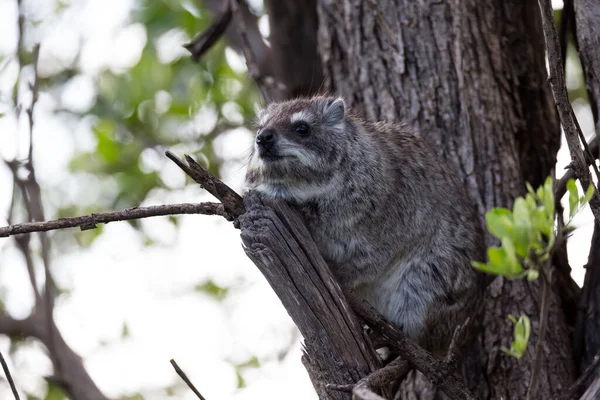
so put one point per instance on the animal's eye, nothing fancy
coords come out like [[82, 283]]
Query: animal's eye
[[301, 128]]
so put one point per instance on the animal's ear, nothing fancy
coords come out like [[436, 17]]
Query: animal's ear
[[334, 111]]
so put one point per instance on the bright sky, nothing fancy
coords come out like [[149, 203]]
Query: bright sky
[[118, 280]]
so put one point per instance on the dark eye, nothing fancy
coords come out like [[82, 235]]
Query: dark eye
[[301, 128]]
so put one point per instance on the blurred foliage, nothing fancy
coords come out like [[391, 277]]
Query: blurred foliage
[[53, 392], [213, 290], [164, 101], [130, 118], [239, 369]]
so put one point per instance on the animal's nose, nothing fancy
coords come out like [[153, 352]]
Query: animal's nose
[[265, 139]]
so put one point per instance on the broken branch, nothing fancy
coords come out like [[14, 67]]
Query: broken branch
[[233, 202], [203, 42]]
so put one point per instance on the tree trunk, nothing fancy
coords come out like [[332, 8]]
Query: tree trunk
[[336, 350], [587, 340], [470, 76]]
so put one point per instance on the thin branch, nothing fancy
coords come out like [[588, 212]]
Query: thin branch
[[20, 56], [34, 98], [457, 344], [186, 379], [539, 346], [233, 202], [385, 375], [86, 222], [587, 151], [437, 372], [203, 42], [574, 390], [9, 377], [592, 392], [270, 89], [561, 184], [565, 111]]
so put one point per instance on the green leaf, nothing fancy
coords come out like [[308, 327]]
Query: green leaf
[[548, 198], [499, 222], [573, 197], [488, 268], [588, 196], [530, 188], [502, 261], [513, 265], [522, 227], [522, 332]]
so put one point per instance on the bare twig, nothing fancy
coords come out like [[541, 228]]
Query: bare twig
[[186, 379], [233, 203], [592, 392], [270, 89], [457, 343], [20, 55], [539, 346], [203, 42], [9, 377], [574, 390], [86, 222], [565, 111], [561, 184], [34, 98]]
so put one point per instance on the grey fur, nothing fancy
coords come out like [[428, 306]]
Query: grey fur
[[389, 216]]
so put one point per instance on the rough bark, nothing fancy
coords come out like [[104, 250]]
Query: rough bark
[[587, 22], [470, 75], [336, 350]]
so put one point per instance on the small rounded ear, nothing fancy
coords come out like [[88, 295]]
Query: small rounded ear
[[335, 109]]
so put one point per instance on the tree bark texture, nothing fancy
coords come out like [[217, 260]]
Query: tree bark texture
[[587, 25], [336, 350], [470, 75]]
